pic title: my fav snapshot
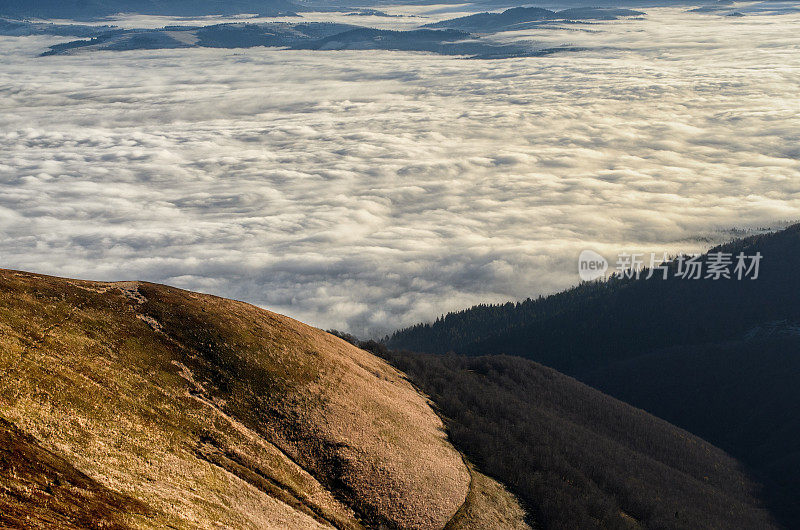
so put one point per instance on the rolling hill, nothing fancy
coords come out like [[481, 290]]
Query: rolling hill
[[134, 405]]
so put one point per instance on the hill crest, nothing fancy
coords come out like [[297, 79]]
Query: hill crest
[[203, 411]]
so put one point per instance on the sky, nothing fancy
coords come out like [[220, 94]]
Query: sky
[[366, 191]]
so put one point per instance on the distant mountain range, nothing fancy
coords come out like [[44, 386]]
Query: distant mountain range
[[720, 358], [523, 17], [94, 9], [19, 28], [295, 36], [450, 37]]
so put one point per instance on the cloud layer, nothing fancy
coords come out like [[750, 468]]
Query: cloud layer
[[370, 190]]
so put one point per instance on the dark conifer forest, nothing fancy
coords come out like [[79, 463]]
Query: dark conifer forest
[[719, 358]]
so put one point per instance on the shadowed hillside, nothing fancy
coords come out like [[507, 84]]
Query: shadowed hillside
[[170, 408], [716, 357], [740, 395], [578, 458]]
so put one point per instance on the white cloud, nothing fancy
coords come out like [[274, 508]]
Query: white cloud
[[369, 190]]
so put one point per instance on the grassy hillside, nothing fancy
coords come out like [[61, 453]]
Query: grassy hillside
[[42, 488], [173, 409], [579, 458]]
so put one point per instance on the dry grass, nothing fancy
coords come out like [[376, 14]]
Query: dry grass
[[488, 505], [213, 413]]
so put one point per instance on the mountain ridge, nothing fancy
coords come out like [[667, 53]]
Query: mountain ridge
[[205, 411], [514, 324], [518, 18], [98, 9]]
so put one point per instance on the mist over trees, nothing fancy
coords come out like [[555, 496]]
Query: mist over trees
[[720, 358], [595, 323]]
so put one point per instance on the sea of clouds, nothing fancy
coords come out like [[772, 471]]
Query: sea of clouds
[[370, 190]]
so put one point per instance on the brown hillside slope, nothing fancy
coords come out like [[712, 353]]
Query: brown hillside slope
[[175, 409]]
